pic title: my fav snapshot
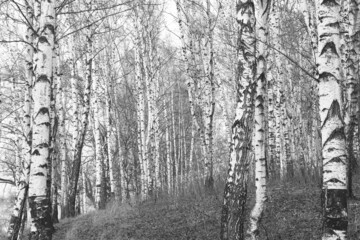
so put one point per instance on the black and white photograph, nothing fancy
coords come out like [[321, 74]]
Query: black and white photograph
[[179, 119]]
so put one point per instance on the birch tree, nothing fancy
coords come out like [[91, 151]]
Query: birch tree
[[334, 155], [262, 8], [39, 201], [235, 193]]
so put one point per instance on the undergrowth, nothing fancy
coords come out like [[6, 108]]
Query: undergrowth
[[292, 212]]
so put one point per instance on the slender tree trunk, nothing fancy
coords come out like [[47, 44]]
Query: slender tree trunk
[[113, 190], [279, 75], [62, 153], [308, 9], [262, 13], [142, 144], [168, 151], [99, 161], [335, 162], [54, 156], [83, 177]]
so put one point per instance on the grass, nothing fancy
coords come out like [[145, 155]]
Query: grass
[[163, 219], [292, 212]]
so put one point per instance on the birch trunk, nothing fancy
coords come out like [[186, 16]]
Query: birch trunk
[[308, 9], [279, 79], [113, 189], [262, 12], [333, 137], [175, 147], [62, 154], [168, 152], [235, 193], [83, 176], [99, 162], [209, 109], [141, 114], [39, 201], [56, 80]]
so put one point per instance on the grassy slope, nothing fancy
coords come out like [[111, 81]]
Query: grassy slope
[[292, 213]]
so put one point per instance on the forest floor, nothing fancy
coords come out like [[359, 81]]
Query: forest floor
[[293, 212]]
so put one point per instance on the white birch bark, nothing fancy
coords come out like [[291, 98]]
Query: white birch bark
[[308, 9], [113, 189], [262, 13], [39, 202], [279, 79], [168, 151], [99, 163], [62, 153], [142, 143], [333, 137], [175, 146], [140, 120], [210, 93]]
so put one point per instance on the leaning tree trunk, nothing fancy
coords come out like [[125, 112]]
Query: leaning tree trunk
[[262, 13], [235, 193], [334, 154], [39, 201]]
